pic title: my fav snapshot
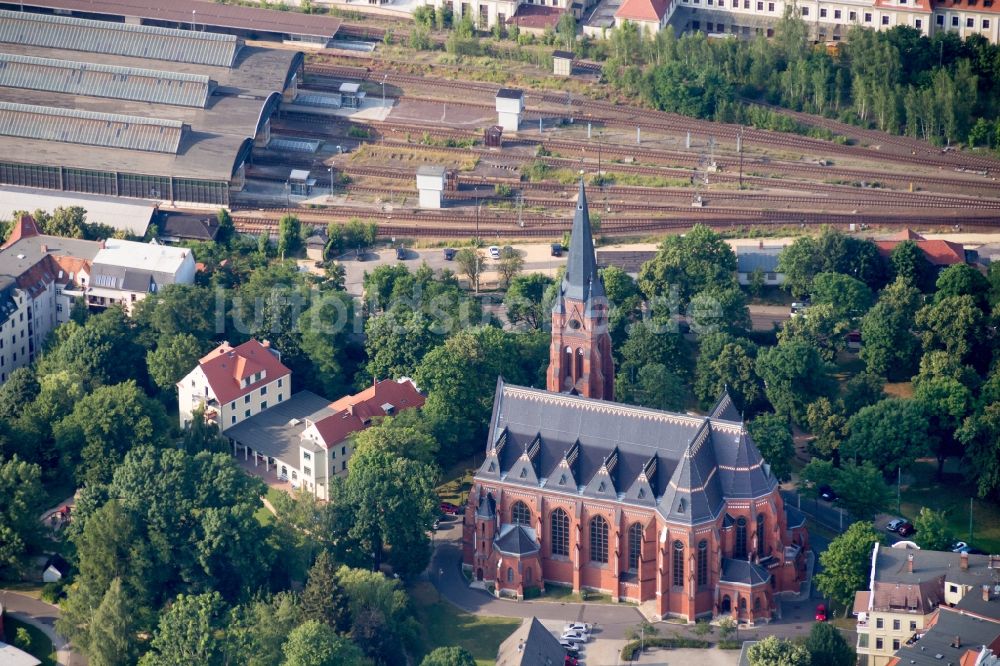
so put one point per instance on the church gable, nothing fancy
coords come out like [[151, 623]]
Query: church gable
[[603, 485], [525, 469], [642, 490]]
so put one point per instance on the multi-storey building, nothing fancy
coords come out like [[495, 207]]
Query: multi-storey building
[[674, 510], [906, 588], [40, 277], [304, 438], [234, 383]]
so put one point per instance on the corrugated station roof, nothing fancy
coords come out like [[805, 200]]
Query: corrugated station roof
[[28, 121], [97, 80], [131, 215], [139, 41], [207, 14]]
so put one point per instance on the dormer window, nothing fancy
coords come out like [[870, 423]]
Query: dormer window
[[492, 468], [562, 480], [524, 472]]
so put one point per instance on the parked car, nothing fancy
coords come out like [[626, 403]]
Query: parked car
[[827, 493], [821, 613], [960, 547], [906, 529], [450, 509], [576, 637], [449, 253], [437, 524], [894, 524], [494, 252], [401, 253], [799, 308], [557, 249], [571, 661], [571, 648], [582, 627]]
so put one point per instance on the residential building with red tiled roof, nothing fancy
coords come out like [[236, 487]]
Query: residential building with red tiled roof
[[650, 15], [308, 440], [939, 253], [234, 383], [40, 277]]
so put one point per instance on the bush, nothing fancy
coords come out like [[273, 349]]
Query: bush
[[52, 592], [630, 650], [532, 592], [356, 132], [729, 645]]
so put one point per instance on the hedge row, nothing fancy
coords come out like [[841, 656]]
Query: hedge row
[[630, 649]]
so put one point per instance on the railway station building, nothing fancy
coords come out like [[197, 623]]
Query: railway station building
[[677, 511], [139, 111]]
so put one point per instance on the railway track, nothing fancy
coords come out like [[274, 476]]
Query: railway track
[[620, 116], [389, 131]]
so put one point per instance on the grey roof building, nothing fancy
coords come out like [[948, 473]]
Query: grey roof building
[[531, 644], [953, 635], [138, 111]]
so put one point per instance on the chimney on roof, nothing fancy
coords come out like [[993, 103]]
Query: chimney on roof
[[986, 592], [909, 563], [965, 561], [45, 248], [104, 244], [266, 344], [957, 642]]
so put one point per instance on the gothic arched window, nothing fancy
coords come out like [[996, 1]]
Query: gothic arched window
[[740, 548], [560, 533], [678, 579], [760, 535], [579, 364], [520, 514], [568, 362], [598, 540], [634, 546], [703, 563]]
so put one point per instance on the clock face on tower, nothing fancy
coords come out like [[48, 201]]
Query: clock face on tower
[[574, 324]]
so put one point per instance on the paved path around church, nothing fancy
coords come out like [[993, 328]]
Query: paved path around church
[[612, 620], [43, 616]]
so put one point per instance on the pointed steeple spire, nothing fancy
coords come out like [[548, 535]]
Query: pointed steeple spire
[[581, 280]]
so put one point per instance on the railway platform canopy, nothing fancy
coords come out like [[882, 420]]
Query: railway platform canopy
[[198, 15], [135, 111]]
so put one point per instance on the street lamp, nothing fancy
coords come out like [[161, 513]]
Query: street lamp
[[193, 12], [330, 169]]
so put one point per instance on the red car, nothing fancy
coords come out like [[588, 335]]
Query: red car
[[821, 613], [571, 661], [450, 509], [906, 529]]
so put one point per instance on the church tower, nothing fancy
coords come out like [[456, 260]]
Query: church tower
[[580, 355]]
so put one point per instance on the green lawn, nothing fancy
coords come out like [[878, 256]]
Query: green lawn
[[565, 593], [443, 625], [952, 496], [456, 481], [41, 646]]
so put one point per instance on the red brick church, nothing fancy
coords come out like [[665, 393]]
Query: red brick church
[[641, 504]]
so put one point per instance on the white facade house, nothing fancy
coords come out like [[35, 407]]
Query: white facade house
[[40, 276], [754, 258], [233, 384], [126, 272]]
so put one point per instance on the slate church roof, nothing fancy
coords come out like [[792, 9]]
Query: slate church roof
[[685, 466]]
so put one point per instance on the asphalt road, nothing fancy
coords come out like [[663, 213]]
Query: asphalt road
[[42, 615]]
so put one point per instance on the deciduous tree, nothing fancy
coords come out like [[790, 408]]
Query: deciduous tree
[[827, 646], [189, 632], [774, 651], [172, 359], [846, 562], [316, 644], [932, 530], [774, 440], [891, 434], [794, 375], [449, 656]]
